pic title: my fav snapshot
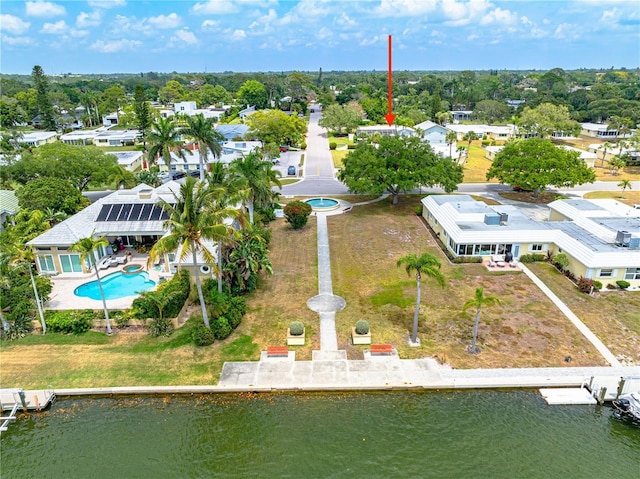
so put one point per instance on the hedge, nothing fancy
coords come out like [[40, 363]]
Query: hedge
[[143, 308]]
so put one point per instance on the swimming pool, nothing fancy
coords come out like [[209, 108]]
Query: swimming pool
[[116, 285]]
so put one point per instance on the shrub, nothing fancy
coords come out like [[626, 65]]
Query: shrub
[[467, 259], [221, 328], [235, 312], [160, 327], [202, 336], [362, 327], [418, 210], [70, 321], [333, 145], [611, 286], [303, 146], [585, 284], [144, 308], [597, 284], [532, 258], [623, 284], [486, 142], [351, 147], [296, 328], [297, 213]]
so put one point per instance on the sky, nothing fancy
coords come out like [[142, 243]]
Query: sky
[[132, 36]]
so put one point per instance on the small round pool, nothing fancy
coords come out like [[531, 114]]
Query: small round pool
[[132, 268], [116, 286], [323, 204]]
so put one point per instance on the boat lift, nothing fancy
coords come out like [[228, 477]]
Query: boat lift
[[13, 399], [593, 390]]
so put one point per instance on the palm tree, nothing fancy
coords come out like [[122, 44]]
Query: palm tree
[[624, 184], [206, 138], [428, 265], [451, 138], [615, 164], [258, 176], [605, 146], [163, 139], [87, 248], [192, 220], [469, 137], [24, 256], [478, 302], [121, 178]]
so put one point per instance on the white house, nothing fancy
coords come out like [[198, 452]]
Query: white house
[[131, 160], [80, 137], [385, 130], [598, 130], [39, 138], [111, 119], [116, 138], [495, 132], [433, 133], [461, 115]]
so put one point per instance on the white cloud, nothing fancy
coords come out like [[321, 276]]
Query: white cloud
[[93, 19], [210, 25], [345, 21], [44, 9], [375, 40], [323, 33], [183, 36], [13, 24], [106, 3], [54, 28], [610, 16], [405, 8], [473, 37], [525, 21], [499, 16], [165, 21], [18, 41], [216, 7], [238, 35], [566, 30], [264, 24], [79, 33], [115, 45]]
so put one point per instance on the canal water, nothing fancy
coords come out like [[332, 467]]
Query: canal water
[[493, 434]]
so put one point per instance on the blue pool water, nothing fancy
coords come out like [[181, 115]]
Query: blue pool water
[[116, 285]]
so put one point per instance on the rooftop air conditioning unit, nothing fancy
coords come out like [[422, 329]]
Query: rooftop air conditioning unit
[[504, 217], [623, 238]]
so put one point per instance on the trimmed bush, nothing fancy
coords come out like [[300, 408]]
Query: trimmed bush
[[160, 327], [235, 312], [202, 336], [532, 258], [303, 146], [69, 322], [623, 284], [296, 328], [597, 284], [297, 213], [351, 147], [467, 259], [333, 145], [362, 327], [611, 286], [221, 328], [418, 210]]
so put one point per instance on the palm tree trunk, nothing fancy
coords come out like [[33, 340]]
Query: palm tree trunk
[[474, 348], [250, 208], [414, 332], [201, 164], [219, 266], [196, 270], [104, 301], [35, 291]]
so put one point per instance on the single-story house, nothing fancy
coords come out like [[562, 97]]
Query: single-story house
[[495, 132], [433, 133], [515, 103], [385, 130], [231, 131], [490, 152], [461, 115], [601, 238], [125, 216], [245, 112], [111, 119], [587, 156], [230, 151], [131, 160], [8, 206], [39, 138], [597, 130], [116, 138], [80, 137]]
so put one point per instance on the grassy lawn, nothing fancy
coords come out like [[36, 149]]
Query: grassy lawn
[[338, 156], [630, 197], [525, 331], [631, 173], [475, 169]]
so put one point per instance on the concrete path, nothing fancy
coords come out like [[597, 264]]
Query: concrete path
[[593, 339]]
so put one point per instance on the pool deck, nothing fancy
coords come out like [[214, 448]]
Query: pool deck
[[64, 285]]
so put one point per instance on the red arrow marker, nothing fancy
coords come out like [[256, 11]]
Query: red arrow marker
[[390, 116]]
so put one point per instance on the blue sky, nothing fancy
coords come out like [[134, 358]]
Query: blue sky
[[133, 36]]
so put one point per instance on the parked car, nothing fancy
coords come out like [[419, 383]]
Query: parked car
[[178, 174], [291, 170], [284, 148], [195, 173]]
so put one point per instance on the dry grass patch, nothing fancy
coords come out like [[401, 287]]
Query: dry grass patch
[[477, 165], [630, 197]]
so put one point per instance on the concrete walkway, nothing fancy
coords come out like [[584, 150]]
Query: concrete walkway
[[593, 339]]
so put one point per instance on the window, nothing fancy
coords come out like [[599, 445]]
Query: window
[[46, 263], [632, 273], [606, 273], [535, 247], [70, 263]]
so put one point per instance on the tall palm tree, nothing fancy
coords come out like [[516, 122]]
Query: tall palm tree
[[206, 138], [478, 302], [605, 146], [163, 139], [257, 176], [24, 256], [428, 265], [451, 138], [192, 220], [624, 184], [87, 248]]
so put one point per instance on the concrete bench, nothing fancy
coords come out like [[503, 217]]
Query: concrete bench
[[381, 349], [277, 351]]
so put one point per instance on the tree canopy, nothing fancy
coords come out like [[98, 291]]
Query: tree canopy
[[275, 126], [397, 165], [341, 117], [536, 163], [253, 93], [54, 193], [547, 119]]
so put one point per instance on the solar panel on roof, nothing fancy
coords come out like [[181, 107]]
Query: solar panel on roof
[[115, 211], [104, 212], [135, 212], [124, 213], [146, 211], [155, 214]]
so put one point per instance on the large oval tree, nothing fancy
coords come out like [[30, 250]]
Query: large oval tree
[[534, 163], [396, 165]]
